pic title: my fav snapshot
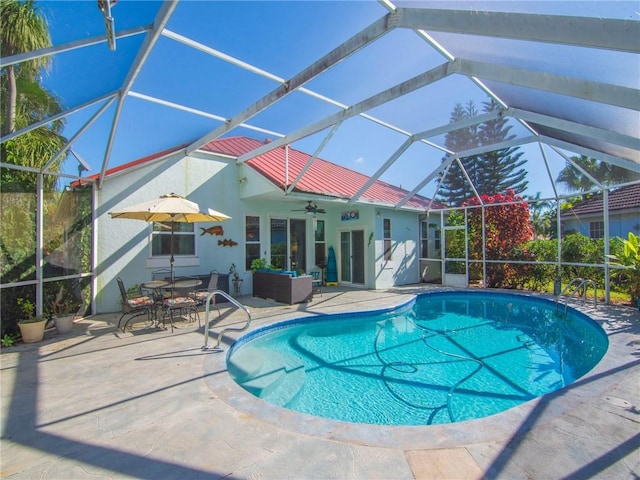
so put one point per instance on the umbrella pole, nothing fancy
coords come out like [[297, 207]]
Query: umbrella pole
[[171, 249]]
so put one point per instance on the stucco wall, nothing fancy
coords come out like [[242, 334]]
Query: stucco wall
[[124, 247], [404, 266]]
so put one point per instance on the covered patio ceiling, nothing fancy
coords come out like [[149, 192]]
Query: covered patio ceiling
[[369, 85]]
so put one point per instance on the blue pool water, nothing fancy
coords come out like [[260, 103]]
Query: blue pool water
[[444, 357]]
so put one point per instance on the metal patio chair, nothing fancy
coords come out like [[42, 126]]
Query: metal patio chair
[[316, 282], [201, 295], [134, 305], [181, 302]]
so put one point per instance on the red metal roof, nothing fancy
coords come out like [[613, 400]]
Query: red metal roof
[[624, 198], [322, 178]]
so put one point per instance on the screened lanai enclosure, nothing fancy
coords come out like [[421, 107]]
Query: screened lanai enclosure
[[507, 116]]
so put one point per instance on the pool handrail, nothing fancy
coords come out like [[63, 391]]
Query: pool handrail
[[223, 331], [582, 283]]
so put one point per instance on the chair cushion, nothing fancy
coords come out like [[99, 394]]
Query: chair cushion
[[140, 302], [200, 296], [179, 302]]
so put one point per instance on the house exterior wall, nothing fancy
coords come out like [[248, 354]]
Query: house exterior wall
[[217, 182], [124, 245], [620, 223], [404, 266]]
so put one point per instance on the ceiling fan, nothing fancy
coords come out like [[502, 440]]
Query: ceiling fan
[[311, 209]]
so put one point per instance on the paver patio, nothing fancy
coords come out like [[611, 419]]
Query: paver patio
[[98, 403]]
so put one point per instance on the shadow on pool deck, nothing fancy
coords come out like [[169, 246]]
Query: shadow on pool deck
[[152, 404]]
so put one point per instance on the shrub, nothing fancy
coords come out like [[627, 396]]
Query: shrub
[[507, 227]]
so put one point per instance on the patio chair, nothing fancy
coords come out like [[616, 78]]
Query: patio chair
[[134, 305], [316, 283], [181, 302], [201, 295]]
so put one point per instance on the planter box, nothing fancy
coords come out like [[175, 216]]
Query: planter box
[[282, 287], [455, 280]]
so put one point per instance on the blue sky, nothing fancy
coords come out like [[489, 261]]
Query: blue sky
[[279, 37]]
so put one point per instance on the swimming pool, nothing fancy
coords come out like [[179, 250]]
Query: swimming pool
[[444, 357]]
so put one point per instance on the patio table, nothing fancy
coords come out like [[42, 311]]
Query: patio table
[[158, 285], [179, 284]]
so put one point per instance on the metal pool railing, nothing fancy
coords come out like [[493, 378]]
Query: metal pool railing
[[578, 285], [228, 329]]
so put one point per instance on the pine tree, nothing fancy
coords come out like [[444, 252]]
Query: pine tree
[[501, 169], [454, 188], [492, 172]]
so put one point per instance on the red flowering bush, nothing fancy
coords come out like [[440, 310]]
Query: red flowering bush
[[507, 227]]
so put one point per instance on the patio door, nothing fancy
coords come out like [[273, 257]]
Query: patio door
[[352, 257]]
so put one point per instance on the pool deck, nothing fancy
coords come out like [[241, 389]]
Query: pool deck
[[100, 404]]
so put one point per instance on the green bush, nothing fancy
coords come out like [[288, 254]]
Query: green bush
[[540, 273], [577, 248]]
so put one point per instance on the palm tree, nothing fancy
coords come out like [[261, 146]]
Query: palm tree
[[24, 29], [541, 214], [576, 181]]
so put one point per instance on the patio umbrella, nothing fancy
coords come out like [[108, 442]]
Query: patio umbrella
[[170, 208]]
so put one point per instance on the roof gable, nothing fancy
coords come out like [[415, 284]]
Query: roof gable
[[321, 178]]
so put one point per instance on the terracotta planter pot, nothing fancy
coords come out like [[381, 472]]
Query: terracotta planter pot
[[33, 331], [64, 324]]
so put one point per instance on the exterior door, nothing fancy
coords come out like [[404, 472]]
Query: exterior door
[[352, 257]]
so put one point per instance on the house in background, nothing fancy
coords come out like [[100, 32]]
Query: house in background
[[587, 217], [376, 245]]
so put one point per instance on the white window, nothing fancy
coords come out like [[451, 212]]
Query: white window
[[320, 246], [386, 234], [252, 240], [596, 230], [183, 239]]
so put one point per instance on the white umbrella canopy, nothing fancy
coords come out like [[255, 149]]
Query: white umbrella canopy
[[170, 208]]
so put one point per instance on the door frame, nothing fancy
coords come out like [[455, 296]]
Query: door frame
[[360, 228]]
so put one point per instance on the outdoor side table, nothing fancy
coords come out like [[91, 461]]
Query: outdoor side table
[[237, 286]]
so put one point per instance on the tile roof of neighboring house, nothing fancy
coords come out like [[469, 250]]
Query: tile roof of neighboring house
[[322, 177], [621, 199]]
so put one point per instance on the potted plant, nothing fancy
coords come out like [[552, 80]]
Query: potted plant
[[234, 271], [31, 327], [628, 259], [259, 264], [62, 318]]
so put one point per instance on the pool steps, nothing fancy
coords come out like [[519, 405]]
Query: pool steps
[[271, 376]]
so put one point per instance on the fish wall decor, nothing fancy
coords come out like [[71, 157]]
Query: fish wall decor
[[215, 230], [227, 243]]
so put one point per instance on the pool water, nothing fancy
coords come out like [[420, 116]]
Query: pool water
[[442, 358]]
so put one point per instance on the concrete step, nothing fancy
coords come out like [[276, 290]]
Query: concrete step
[[289, 385], [245, 363], [267, 374]]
